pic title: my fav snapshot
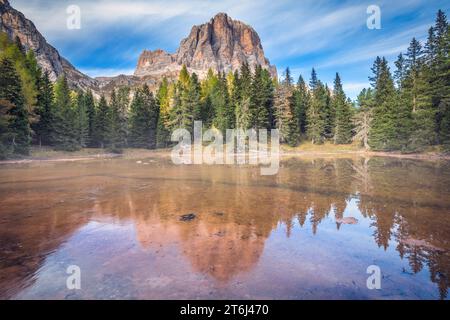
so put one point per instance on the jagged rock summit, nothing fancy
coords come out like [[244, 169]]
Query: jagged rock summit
[[222, 44]]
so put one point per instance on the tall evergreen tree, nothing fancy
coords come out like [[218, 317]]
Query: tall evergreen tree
[[101, 123], [223, 112], [81, 120], [286, 121], [382, 133], [302, 101], [144, 119], [343, 129], [242, 109], [328, 114], [163, 103], [414, 60], [260, 108], [44, 110], [90, 110], [314, 81], [118, 117], [315, 114], [11, 95], [64, 124], [268, 97], [6, 135], [438, 75], [191, 98], [400, 72]]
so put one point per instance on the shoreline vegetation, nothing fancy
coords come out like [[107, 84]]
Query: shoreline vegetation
[[46, 154]]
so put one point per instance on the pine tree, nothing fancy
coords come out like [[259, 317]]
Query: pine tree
[[199, 111], [180, 117], [376, 72], [443, 95], [144, 119], [223, 112], [260, 108], [268, 97], [315, 115], [26, 67], [123, 101], [242, 108], [301, 100], [413, 64], [44, 110], [382, 134], [118, 119], [101, 123], [286, 121], [234, 89], [438, 76], [314, 81], [13, 101], [400, 72], [328, 114], [81, 120], [162, 100], [90, 110], [191, 98], [6, 135], [343, 129], [64, 125]]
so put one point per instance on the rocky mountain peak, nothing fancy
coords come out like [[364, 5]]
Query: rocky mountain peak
[[222, 44]]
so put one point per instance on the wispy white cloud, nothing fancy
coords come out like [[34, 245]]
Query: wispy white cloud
[[392, 45]]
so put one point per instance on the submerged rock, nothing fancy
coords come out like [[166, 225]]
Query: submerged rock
[[188, 217], [347, 220]]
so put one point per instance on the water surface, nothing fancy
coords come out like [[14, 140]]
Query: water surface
[[254, 237]]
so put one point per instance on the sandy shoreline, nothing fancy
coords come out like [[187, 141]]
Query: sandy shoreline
[[141, 153]]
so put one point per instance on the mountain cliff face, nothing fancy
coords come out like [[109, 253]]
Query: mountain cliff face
[[15, 24], [222, 44]]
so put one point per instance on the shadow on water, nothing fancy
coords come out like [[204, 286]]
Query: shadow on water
[[309, 232]]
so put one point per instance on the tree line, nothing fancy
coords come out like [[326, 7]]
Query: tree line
[[407, 111]]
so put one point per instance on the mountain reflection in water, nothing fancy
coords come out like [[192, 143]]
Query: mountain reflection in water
[[289, 236]]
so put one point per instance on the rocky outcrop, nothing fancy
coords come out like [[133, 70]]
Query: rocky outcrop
[[15, 24], [154, 62], [222, 44]]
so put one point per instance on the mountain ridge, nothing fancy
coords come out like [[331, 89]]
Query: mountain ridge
[[222, 44]]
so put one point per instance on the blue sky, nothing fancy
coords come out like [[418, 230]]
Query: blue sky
[[331, 36]]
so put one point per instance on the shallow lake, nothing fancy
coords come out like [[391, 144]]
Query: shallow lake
[[309, 232]]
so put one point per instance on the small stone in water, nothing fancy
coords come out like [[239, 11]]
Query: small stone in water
[[188, 217]]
